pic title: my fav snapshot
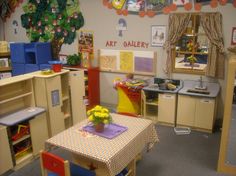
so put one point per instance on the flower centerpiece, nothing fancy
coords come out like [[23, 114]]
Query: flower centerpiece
[[192, 59], [99, 116]]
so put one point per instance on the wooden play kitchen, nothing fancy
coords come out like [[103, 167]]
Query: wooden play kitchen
[[192, 104]]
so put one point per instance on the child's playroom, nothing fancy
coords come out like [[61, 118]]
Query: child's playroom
[[117, 87]]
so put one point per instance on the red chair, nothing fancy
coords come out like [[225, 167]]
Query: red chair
[[52, 165]]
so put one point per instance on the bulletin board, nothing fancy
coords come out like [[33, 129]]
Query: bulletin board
[[128, 61]]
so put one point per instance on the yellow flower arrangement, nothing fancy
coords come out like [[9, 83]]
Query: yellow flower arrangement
[[192, 59], [98, 115]]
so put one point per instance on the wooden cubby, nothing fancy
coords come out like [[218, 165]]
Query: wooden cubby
[[91, 88], [17, 108], [61, 94], [5, 68]]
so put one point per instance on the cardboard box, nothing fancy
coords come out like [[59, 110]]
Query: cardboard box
[[5, 75], [4, 62]]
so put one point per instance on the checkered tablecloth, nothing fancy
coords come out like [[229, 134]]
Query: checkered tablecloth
[[115, 153]]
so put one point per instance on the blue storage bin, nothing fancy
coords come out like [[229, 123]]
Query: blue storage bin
[[31, 53], [31, 68], [18, 69], [38, 53], [17, 53]]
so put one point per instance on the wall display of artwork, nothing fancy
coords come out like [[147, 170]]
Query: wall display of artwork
[[128, 61], [158, 35], [180, 2], [85, 41], [233, 38], [86, 46], [151, 8]]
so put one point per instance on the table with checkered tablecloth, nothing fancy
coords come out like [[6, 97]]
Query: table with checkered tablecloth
[[112, 154]]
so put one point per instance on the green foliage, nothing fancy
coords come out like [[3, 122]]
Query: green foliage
[[74, 59], [46, 20], [192, 59]]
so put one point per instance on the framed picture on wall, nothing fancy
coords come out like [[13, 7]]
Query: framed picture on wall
[[157, 6], [135, 5], [63, 58], [203, 2], [85, 41], [181, 2], [233, 39], [158, 35]]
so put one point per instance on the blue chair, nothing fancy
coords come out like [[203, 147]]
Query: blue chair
[[52, 165]]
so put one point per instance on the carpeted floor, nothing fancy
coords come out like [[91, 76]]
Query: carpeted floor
[[195, 154]]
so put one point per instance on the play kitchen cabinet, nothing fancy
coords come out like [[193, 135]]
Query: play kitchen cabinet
[[159, 107], [61, 94], [20, 123], [196, 109], [158, 102], [5, 151], [167, 108]]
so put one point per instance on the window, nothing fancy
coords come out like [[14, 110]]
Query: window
[[190, 53]]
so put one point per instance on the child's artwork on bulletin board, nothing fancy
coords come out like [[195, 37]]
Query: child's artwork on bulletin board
[[108, 62], [128, 61], [143, 64]]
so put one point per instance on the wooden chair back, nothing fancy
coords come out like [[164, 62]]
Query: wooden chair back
[[53, 163]]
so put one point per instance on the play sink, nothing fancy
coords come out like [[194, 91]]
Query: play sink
[[198, 91], [165, 85]]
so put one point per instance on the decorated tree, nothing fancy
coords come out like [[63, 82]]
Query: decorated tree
[[52, 20]]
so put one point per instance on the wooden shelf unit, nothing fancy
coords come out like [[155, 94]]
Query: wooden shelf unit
[[61, 94], [17, 107], [7, 68], [149, 105], [91, 85]]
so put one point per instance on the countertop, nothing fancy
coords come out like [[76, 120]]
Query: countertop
[[20, 116], [155, 87], [212, 88]]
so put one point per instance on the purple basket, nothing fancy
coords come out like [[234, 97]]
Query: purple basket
[[110, 132]]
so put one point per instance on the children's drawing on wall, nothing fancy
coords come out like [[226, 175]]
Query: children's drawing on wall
[[135, 5], [108, 63], [126, 61], [180, 2], [15, 26], [121, 26], [158, 35], [157, 5], [85, 41], [118, 4]]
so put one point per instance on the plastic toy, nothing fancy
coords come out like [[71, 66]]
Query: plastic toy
[[22, 130], [129, 94]]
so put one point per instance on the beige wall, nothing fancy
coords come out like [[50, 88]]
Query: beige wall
[[103, 22]]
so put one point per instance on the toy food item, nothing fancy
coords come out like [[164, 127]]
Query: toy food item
[[171, 86]]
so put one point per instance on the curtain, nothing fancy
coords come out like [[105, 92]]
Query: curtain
[[178, 22], [212, 25]]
